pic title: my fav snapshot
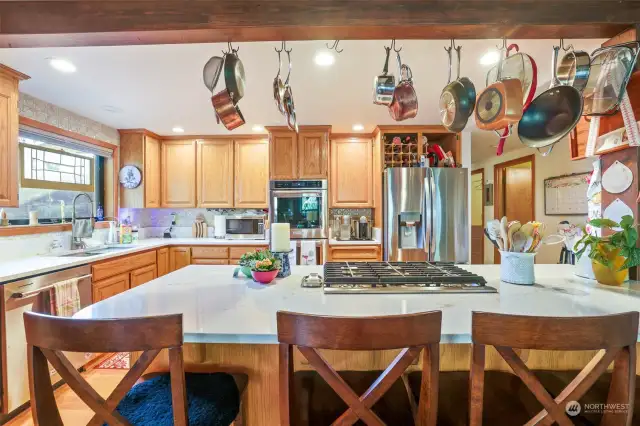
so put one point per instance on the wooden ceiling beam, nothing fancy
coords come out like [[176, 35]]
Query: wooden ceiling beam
[[109, 22]]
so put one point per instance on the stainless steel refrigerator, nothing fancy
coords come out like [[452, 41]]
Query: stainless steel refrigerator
[[426, 214]]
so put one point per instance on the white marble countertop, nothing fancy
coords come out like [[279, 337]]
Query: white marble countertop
[[36, 265], [220, 309], [334, 242]]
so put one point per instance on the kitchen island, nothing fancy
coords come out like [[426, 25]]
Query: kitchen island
[[230, 323]]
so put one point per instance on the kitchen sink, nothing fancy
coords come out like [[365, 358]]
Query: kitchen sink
[[94, 252]]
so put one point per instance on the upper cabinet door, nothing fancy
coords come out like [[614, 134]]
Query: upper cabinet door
[[151, 172], [178, 173], [9, 80], [215, 174], [283, 150], [252, 174], [351, 173], [312, 155]]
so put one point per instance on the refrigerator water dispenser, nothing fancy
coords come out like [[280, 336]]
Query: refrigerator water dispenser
[[409, 225]]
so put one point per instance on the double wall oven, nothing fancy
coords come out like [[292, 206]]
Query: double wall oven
[[303, 204]]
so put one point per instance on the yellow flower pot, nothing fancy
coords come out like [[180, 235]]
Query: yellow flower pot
[[610, 275]]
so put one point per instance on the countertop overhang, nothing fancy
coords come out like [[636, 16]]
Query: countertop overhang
[[218, 308]]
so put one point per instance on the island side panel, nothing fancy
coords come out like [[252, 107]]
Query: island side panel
[[260, 363]]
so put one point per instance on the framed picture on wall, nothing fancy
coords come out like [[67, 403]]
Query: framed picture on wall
[[488, 194], [566, 195]]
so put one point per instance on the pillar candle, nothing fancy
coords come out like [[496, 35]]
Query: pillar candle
[[280, 237]]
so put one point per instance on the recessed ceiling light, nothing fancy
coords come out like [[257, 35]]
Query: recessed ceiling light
[[177, 130], [324, 59], [358, 127], [258, 128], [62, 65], [490, 58]]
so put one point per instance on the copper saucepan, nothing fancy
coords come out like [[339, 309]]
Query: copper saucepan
[[405, 101], [226, 111]]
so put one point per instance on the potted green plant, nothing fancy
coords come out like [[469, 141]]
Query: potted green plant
[[266, 269], [247, 259], [613, 255]]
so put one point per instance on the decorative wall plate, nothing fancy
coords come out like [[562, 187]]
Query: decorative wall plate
[[616, 210], [130, 177], [617, 178]]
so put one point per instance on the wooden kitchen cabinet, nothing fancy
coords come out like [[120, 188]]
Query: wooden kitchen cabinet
[[179, 257], [251, 158], [349, 253], [123, 264], [299, 156], [106, 288], [143, 275], [151, 177], [9, 166], [351, 183], [178, 174], [142, 149], [214, 178], [283, 157], [163, 261]]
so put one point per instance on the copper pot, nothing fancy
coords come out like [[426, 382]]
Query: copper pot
[[405, 101], [499, 105], [226, 111]]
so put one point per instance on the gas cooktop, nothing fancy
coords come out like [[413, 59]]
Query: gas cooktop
[[401, 277]]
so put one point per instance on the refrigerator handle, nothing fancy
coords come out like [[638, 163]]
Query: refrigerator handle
[[427, 221]]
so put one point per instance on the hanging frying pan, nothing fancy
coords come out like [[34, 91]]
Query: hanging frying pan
[[234, 74], [552, 114], [457, 99]]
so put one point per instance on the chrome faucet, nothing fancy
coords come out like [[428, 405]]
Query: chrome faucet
[[76, 242]]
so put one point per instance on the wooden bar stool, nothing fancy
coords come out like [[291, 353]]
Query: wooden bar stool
[[173, 399], [614, 335], [411, 333]]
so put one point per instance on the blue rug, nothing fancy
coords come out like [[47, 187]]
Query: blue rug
[[212, 398]]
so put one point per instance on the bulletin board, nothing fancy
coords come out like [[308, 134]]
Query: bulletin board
[[566, 195]]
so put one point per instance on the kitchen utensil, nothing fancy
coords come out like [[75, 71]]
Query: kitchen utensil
[[503, 232], [278, 85], [499, 105], [287, 100], [611, 68], [518, 242], [551, 115], [527, 228], [500, 243], [384, 84], [512, 228], [528, 244], [211, 72], [228, 113], [458, 98], [617, 178], [404, 104], [493, 241], [493, 228], [234, 74], [574, 68]]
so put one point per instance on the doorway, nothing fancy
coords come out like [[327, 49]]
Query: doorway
[[477, 217], [514, 191]]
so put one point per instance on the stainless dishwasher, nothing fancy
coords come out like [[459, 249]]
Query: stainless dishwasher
[[32, 294]]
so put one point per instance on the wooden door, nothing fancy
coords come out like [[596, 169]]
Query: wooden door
[[179, 257], [110, 287], [9, 165], [477, 217], [351, 182], [214, 176], [163, 261], [252, 174], [143, 275], [179, 174], [283, 155], [151, 176], [313, 147]]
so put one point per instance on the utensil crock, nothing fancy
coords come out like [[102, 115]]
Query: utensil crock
[[517, 268]]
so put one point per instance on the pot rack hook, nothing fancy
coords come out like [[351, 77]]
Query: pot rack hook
[[334, 47], [281, 48], [231, 49], [393, 46], [504, 44], [566, 49]]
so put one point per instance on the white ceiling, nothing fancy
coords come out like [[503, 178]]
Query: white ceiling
[[158, 87]]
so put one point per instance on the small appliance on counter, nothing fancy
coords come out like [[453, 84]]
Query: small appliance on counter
[[244, 227]]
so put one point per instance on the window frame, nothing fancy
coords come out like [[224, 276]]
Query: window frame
[[63, 186]]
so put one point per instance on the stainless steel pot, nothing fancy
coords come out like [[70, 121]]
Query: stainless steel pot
[[574, 69], [384, 84]]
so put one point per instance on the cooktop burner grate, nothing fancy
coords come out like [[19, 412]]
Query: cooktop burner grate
[[401, 277]]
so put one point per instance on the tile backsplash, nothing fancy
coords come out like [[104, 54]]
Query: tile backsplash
[[21, 246], [151, 218], [368, 213]]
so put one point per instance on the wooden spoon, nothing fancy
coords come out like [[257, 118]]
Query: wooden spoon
[[519, 240], [503, 232]]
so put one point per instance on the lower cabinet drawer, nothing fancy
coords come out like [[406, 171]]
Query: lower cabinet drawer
[[210, 252], [209, 262], [110, 287], [143, 275], [354, 253], [123, 264]]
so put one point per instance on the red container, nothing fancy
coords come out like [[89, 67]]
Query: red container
[[264, 277]]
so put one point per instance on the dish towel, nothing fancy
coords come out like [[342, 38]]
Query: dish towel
[[82, 228], [293, 256], [307, 252], [65, 298]]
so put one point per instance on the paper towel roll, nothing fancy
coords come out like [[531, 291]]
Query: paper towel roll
[[219, 226]]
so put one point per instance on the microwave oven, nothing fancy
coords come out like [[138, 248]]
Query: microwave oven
[[245, 227]]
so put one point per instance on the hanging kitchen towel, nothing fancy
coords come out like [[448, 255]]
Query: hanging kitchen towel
[[308, 252], [67, 298], [293, 256]]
